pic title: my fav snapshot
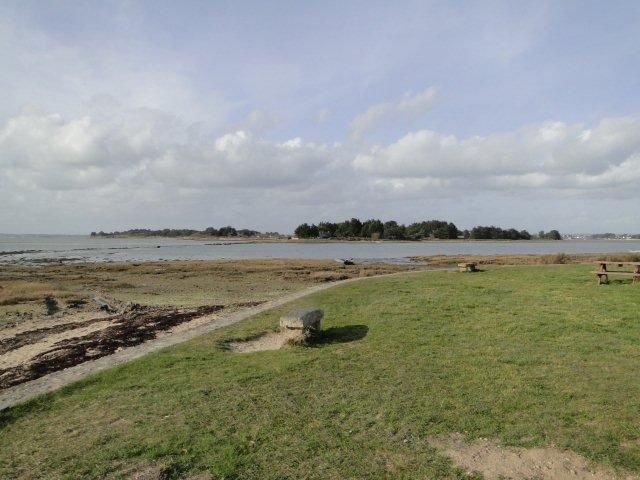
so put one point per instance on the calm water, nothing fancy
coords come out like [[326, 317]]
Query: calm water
[[76, 248]]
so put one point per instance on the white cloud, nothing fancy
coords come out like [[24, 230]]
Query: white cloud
[[118, 161], [38, 150], [40, 68], [551, 154], [322, 115], [419, 103], [126, 146], [410, 106], [367, 120], [259, 121], [239, 160]]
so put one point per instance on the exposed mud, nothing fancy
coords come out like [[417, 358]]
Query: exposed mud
[[266, 341], [496, 462], [124, 330], [149, 471]]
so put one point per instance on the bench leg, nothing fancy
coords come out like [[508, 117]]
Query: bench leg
[[603, 279]]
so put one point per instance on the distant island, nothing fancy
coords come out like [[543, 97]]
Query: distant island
[[187, 232], [353, 229], [375, 229]]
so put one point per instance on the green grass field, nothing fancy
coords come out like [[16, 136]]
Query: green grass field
[[528, 356]]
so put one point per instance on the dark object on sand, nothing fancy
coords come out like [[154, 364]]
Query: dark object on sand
[[51, 304], [345, 261], [104, 305], [76, 302]]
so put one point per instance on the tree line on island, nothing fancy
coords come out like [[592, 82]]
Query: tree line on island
[[373, 229], [391, 230], [186, 232]]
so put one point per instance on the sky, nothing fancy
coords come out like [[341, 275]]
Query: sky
[[264, 115]]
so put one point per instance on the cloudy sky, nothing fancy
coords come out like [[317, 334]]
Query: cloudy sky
[[153, 114]]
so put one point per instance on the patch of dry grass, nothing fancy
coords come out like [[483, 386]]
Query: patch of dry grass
[[20, 291], [176, 283], [529, 259]]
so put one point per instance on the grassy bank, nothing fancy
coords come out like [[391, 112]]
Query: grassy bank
[[526, 355], [529, 259]]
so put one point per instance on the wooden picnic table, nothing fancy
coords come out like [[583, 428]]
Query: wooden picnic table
[[603, 271]]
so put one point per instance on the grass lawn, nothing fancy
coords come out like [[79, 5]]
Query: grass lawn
[[528, 356]]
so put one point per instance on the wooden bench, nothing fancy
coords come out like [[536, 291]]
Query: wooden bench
[[603, 271], [467, 267]]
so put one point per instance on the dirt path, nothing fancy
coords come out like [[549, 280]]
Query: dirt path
[[52, 381]]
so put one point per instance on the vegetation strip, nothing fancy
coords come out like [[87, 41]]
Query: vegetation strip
[[59, 378]]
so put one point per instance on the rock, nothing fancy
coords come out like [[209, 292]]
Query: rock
[[306, 319], [104, 305]]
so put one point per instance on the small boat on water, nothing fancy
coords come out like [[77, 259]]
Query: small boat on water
[[345, 261]]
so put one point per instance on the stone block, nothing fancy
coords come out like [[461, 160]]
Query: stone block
[[304, 319]]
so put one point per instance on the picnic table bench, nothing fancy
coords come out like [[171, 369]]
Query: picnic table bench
[[603, 271]]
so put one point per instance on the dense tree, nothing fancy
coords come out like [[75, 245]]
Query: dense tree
[[307, 231], [245, 232], [432, 229], [355, 226], [227, 232], [497, 233], [343, 230], [372, 229], [185, 232], [550, 235], [392, 230], [327, 229]]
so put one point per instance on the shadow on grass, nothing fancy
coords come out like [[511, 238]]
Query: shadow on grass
[[348, 333], [618, 282]]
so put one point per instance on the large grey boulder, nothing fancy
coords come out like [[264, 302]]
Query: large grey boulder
[[307, 319]]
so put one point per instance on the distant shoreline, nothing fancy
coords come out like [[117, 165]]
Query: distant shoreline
[[248, 240]]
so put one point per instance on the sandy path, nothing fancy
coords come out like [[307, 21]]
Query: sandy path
[[48, 383]]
